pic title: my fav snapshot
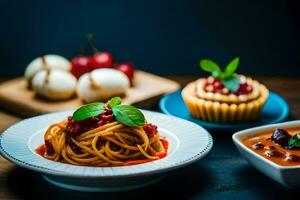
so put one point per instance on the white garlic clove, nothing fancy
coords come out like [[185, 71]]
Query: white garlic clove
[[102, 84], [44, 62], [54, 84]]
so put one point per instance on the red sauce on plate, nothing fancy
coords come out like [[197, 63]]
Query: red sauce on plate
[[41, 150]]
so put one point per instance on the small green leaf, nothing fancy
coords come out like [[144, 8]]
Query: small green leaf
[[232, 83], [114, 101], [232, 66], [294, 141], [224, 75], [88, 110], [209, 65], [216, 74], [128, 115]]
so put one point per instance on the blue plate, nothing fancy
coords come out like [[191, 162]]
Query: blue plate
[[275, 110]]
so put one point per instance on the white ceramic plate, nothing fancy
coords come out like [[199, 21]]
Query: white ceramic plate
[[286, 175], [188, 142]]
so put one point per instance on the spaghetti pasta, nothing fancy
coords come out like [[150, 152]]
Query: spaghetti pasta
[[109, 144]]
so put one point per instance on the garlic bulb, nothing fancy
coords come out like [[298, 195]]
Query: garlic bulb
[[102, 84], [54, 84], [50, 61]]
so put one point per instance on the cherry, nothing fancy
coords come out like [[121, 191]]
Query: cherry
[[80, 65], [101, 60], [215, 85], [244, 89], [127, 69], [218, 85]]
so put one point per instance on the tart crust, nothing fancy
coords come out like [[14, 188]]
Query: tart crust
[[220, 108]]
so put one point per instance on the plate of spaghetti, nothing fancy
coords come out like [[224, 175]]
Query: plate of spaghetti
[[104, 147]]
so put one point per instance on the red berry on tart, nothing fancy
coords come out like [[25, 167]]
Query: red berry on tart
[[225, 96]]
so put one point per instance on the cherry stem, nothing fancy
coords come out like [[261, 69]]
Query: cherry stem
[[91, 43], [82, 49]]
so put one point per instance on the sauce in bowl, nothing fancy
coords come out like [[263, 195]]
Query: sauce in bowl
[[275, 147]]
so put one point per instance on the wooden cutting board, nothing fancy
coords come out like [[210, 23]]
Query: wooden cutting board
[[17, 98]]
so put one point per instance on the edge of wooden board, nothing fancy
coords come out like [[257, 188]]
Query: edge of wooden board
[[17, 88]]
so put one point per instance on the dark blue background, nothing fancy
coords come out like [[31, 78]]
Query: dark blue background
[[164, 37]]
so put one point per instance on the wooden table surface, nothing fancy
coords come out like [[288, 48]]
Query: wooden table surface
[[223, 173]]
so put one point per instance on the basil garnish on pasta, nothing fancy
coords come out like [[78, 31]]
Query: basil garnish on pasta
[[128, 115], [124, 114], [88, 110], [114, 102]]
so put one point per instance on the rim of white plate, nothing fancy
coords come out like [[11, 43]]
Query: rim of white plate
[[194, 143]]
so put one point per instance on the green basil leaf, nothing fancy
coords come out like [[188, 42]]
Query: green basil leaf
[[232, 66], [294, 141], [88, 110], [114, 101], [209, 65], [232, 83], [128, 115]]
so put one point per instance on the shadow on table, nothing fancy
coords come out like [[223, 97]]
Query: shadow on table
[[264, 187], [179, 184]]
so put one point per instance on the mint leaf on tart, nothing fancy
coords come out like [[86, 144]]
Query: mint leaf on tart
[[228, 77], [88, 110], [114, 102], [232, 66], [216, 73], [128, 115], [294, 141], [210, 66]]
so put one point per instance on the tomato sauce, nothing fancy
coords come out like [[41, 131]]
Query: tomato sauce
[[41, 150], [264, 146]]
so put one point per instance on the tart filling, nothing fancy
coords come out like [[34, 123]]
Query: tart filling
[[227, 96]]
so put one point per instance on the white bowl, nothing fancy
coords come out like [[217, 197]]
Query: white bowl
[[188, 142], [288, 176]]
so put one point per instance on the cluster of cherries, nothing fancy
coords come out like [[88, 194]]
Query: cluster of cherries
[[215, 85], [82, 64]]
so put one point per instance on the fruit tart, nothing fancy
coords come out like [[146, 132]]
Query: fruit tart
[[224, 97]]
